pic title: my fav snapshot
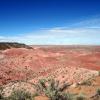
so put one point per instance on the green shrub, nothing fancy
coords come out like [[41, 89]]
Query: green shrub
[[34, 95], [98, 73], [1, 93], [80, 97], [20, 95], [98, 92], [52, 89], [86, 82]]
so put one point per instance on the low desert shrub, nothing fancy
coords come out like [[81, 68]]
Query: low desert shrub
[[34, 95], [80, 97], [98, 73], [52, 89], [98, 91], [86, 82], [1, 93], [20, 95]]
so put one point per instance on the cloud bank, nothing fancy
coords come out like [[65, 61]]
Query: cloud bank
[[84, 32]]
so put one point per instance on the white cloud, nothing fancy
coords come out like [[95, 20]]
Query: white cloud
[[84, 32], [57, 36], [88, 23]]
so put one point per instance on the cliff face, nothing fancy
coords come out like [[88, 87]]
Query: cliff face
[[8, 45]]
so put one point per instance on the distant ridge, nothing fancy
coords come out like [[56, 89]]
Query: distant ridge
[[8, 45]]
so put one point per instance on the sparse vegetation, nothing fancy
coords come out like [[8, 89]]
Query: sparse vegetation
[[86, 82], [20, 95], [98, 91], [1, 94], [98, 73], [80, 97], [53, 89]]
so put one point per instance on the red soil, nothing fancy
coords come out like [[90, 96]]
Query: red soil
[[21, 63]]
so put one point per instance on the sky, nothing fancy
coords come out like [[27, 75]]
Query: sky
[[43, 22]]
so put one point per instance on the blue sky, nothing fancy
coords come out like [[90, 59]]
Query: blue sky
[[50, 21]]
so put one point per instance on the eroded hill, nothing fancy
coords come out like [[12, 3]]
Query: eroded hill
[[72, 64], [8, 45]]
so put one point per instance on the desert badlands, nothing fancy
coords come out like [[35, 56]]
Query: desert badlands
[[78, 66]]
